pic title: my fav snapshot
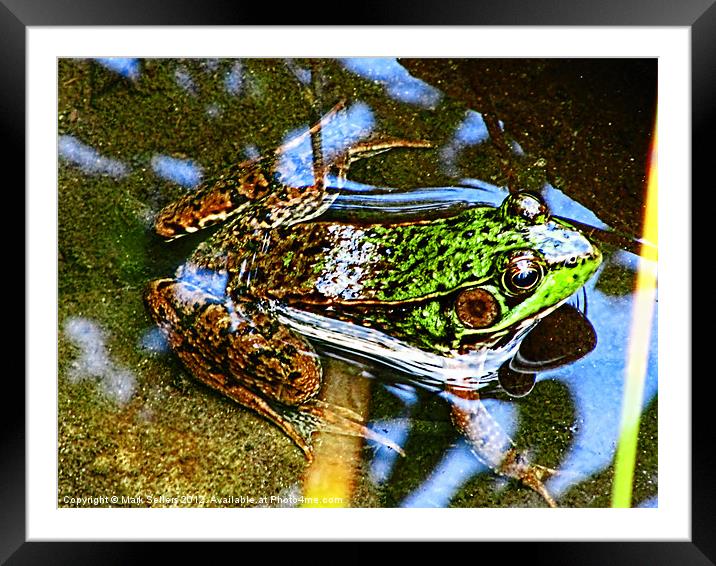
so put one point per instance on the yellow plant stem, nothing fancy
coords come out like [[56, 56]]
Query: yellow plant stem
[[643, 310], [329, 480]]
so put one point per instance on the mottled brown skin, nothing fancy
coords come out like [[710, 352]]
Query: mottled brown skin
[[215, 200], [251, 359], [242, 363]]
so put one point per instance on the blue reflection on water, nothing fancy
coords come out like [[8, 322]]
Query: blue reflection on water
[[252, 152], [153, 340], [184, 172], [88, 159], [125, 66], [517, 149], [303, 75], [184, 81], [625, 259], [93, 362], [454, 470], [234, 79], [398, 83], [394, 429], [459, 464], [472, 130], [556, 200], [596, 384], [358, 194], [210, 65], [492, 194], [405, 393], [295, 166], [209, 281], [651, 503]]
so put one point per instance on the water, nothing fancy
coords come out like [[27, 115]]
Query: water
[[146, 141]]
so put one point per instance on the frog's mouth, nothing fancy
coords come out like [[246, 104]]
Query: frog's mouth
[[477, 339]]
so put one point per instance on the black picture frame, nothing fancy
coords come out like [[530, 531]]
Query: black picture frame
[[699, 15]]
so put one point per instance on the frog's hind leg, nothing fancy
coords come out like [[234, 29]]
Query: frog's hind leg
[[238, 350], [489, 442], [245, 354], [340, 420]]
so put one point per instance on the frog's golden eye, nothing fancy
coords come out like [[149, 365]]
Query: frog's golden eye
[[522, 274], [527, 206]]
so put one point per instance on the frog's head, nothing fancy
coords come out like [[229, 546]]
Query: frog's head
[[537, 262]]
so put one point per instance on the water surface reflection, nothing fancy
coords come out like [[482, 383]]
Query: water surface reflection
[[594, 383]]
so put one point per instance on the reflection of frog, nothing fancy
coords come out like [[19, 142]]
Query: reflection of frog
[[432, 297]]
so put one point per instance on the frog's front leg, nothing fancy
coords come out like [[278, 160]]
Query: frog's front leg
[[240, 350], [251, 189], [375, 145], [216, 199], [286, 205], [491, 444]]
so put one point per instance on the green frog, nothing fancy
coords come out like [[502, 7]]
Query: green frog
[[446, 299]]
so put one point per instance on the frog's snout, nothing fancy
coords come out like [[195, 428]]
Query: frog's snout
[[565, 247], [590, 254]]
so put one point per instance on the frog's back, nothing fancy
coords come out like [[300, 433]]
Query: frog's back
[[324, 262]]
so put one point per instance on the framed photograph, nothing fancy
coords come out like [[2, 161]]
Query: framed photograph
[[407, 289]]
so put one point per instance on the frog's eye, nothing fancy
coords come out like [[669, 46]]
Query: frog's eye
[[522, 274], [527, 206]]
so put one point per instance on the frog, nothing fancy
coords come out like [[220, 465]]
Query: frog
[[446, 299]]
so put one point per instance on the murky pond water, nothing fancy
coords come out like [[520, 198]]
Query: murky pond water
[[136, 135]]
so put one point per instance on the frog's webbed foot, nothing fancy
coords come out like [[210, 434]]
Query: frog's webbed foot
[[340, 420], [515, 465], [302, 422]]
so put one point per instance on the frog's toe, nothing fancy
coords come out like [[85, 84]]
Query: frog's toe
[[533, 476], [339, 410], [533, 479], [340, 420]]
